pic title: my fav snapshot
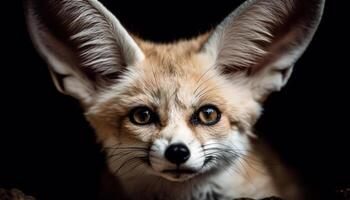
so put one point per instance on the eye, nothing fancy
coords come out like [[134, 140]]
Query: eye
[[207, 115], [142, 116]]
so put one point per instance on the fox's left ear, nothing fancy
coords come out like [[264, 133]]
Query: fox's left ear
[[263, 39]]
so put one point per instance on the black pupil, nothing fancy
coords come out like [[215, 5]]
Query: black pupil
[[207, 112], [143, 116]]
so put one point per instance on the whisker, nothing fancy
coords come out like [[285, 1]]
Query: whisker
[[131, 148], [138, 164], [124, 164], [113, 154], [206, 71], [122, 156], [207, 89], [200, 78]]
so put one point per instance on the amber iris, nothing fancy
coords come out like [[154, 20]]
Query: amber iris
[[206, 115], [142, 116]]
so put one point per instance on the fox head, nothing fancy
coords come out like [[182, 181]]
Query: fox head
[[179, 110]]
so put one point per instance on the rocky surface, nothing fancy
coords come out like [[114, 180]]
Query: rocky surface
[[15, 194]]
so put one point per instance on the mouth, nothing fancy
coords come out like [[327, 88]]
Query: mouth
[[179, 174], [179, 171]]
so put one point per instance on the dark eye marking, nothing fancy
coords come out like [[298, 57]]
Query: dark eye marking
[[142, 115], [206, 115]]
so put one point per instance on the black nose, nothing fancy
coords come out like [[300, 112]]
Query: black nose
[[177, 153]]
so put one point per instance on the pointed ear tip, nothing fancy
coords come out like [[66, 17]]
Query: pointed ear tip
[[29, 7], [26, 6], [321, 4], [28, 3]]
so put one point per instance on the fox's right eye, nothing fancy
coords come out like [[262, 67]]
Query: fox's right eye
[[142, 116]]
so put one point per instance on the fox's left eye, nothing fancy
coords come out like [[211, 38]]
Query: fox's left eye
[[207, 115], [142, 116]]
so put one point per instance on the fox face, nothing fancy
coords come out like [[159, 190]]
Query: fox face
[[175, 115], [182, 112]]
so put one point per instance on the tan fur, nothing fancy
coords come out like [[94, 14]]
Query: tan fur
[[233, 68]]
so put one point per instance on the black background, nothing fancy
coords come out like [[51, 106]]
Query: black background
[[48, 150]]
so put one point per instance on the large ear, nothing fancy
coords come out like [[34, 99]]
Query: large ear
[[263, 39], [84, 45]]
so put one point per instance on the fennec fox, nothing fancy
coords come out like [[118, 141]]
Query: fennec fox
[[175, 120]]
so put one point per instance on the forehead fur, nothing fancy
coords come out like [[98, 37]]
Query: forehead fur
[[171, 57]]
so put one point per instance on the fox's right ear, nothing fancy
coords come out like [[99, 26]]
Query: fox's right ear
[[84, 45]]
